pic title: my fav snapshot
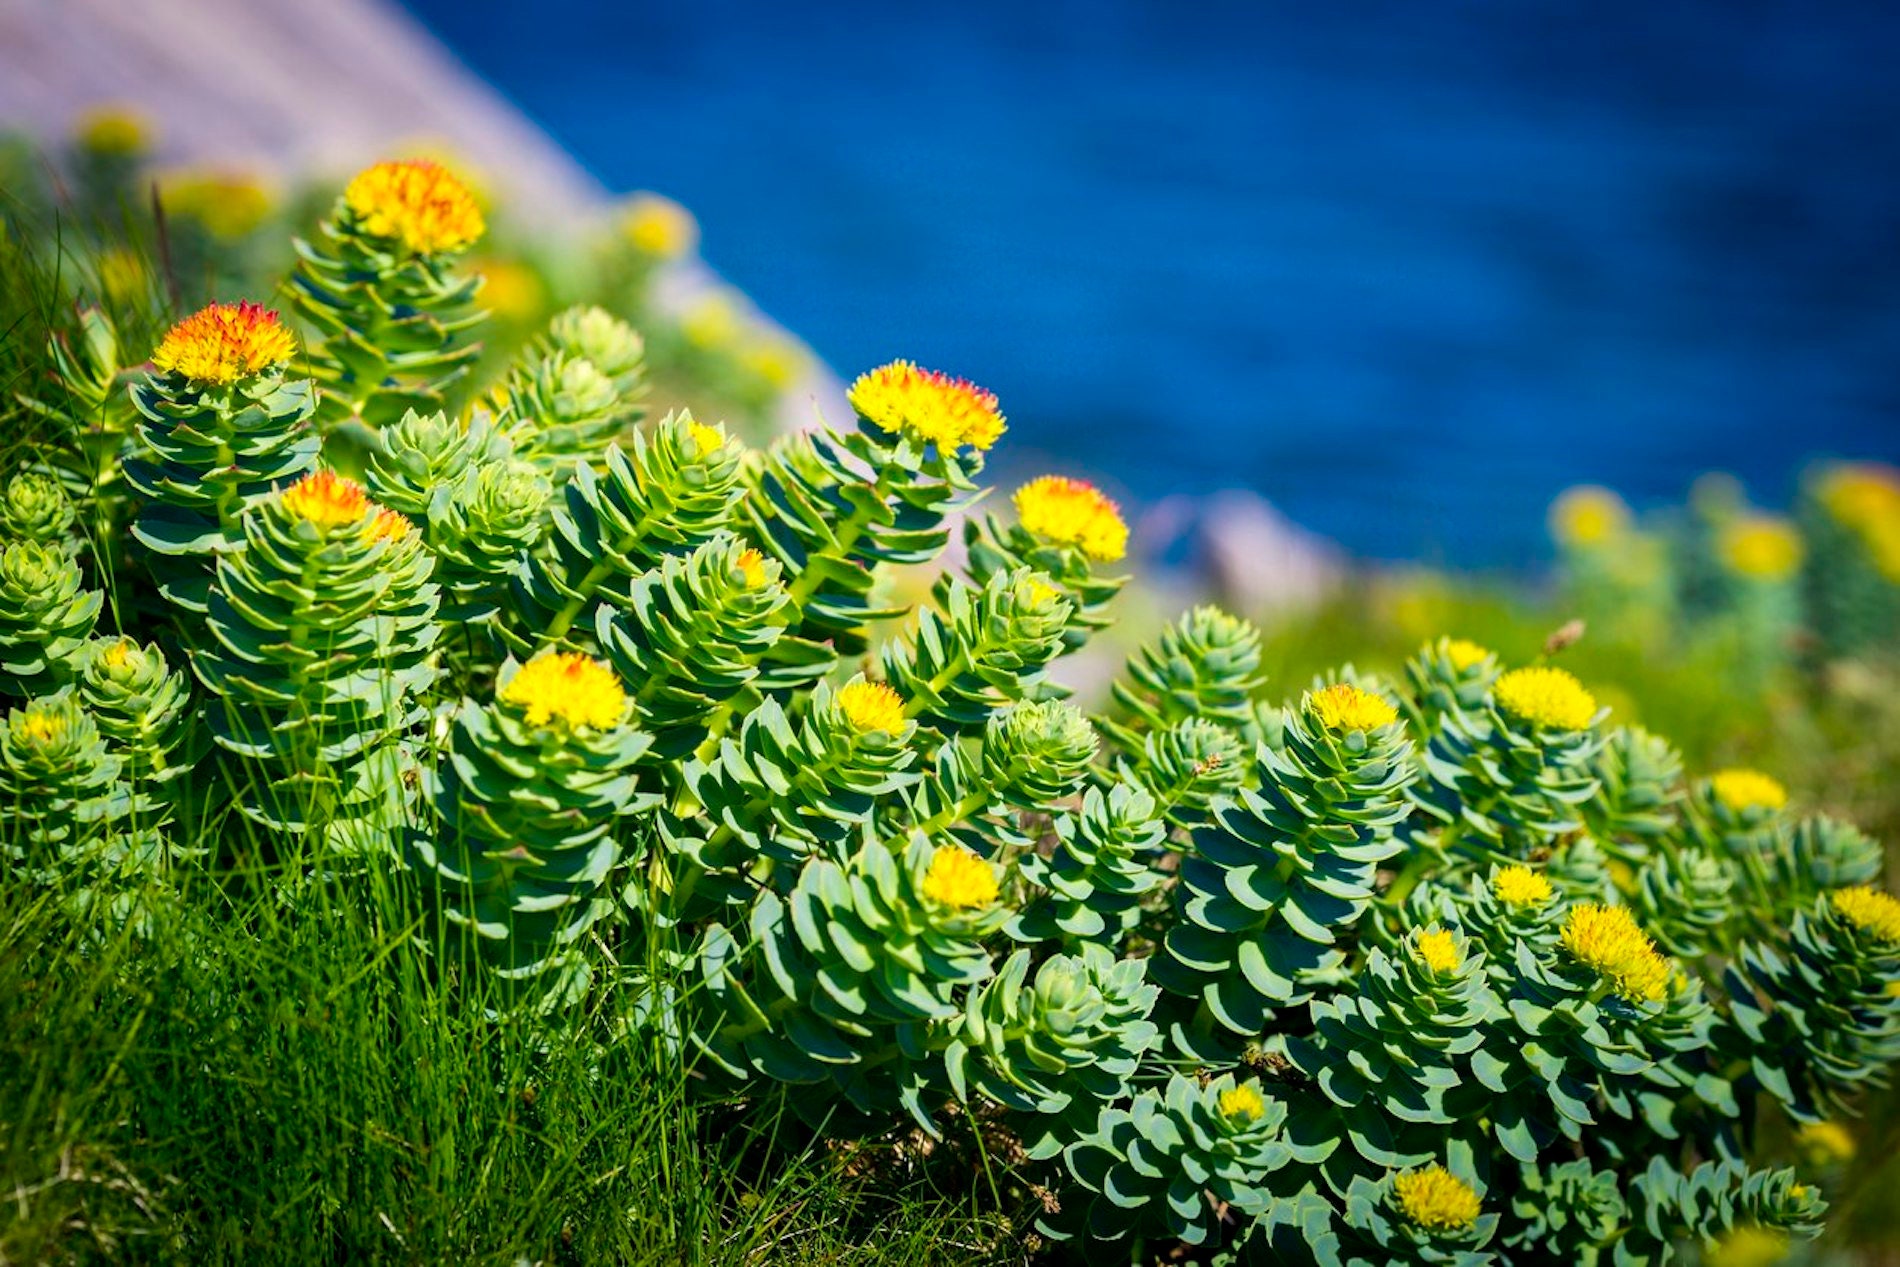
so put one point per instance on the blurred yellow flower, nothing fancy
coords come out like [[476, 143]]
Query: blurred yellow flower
[[510, 289], [114, 130], [658, 227], [1588, 515], [1761, 547], [229, 204], [1825, 1143], [1744, 790], [712, 322], [774, 360], [122, 274]]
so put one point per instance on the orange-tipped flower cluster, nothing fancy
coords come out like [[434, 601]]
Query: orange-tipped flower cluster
[[417, 202], [327, 500], [928, 406], [1073, 513], [223, 343]]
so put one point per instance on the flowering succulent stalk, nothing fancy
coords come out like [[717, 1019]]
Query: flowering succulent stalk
[[55, 774], [526, 806], [1065, 530], [321, 639], [33, 507], [45, 617], [89, 408], [381, 287], [1269, 892], [220, 427], [985, 650], [1188, 766], [832, 507], [1206, 667], [1448, 676], [1099, 870], [1850, 515], [138, 703]]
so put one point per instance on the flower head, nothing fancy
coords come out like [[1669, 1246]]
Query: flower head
[[1860, 493], [1545, 697], [751, 565], [41, 724], [386, 525], [1242, 1103], [327, 500], [658, 227], [870, 706], [712, 322], [958, 878], [1875, 913], [227, 204], [1606, 940], [1520, 886], [117, 654], [1744, 790], [1073, 513], [225, 342], [1825, 1143], [1437, 949], [706, 440], [116, 130], [1436, 1199], [1749, 1245], [1344, 707], [1761, 548], [928, 405], [1465, 654], [418, 202], [1588, 516], [568, 687]]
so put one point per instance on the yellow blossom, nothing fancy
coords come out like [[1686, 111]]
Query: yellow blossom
[[1875, 913], [752, 568], [1825, 1143], [658, 227], [706, 440], [1857, 494], [42, 725], [958, 878], [1073, 512], [1436, 1199], [1546, 697], [1749, 1245], [1761, 548], [712, 322], [1242, 1102], [1520, 886], [1606, 940], [870, 706], [386, 525], [1588, 516], [1465, 654], [928, 405], [229, 205], [223, 343], [1437, 949], [1344, 707], [119, 653], [775, 361], [327, 500], [1744, 790], [568, 687], [120, 131], [510, 289], [417, 202], [122, 274]]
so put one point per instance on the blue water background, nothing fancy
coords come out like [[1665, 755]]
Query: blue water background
[[1408, 269]]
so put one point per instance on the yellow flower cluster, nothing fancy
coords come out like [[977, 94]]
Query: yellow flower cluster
[[1436, 1199], [1465, 654], [1875, 913], [958, 878], [1588, 516], [417, 202], [752, 568], [1744, 790], [1865, 498], [327, 500], [1825, 1143], [706, 440], [1344, 707], [928, 405], [1520, 886], [1749, 1245], [1606, 940], [870, 706], [115, 130], [1761, 548], [1242, 1103], [658, 227], [223, 343], [1073, 512], [1437, 949], [1547, 697], [39, 725], [228, 204], [567, 687]]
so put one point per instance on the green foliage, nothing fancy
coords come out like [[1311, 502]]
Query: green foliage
[[574, 391], [45, 616]]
